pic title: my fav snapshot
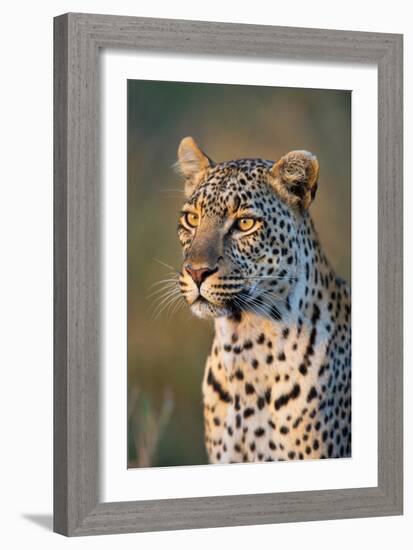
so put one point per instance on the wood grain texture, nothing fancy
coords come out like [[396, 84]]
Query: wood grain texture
[[60, 486], [390, 273], [78, 39]]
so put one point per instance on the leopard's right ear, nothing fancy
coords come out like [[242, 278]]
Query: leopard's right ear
[[192, 164]]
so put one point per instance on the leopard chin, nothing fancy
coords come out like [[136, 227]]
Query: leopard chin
[[204, 309]]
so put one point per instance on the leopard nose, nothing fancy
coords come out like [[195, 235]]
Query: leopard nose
[[199, 274]]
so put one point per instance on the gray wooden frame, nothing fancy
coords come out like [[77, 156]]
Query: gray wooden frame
[[78, 40]]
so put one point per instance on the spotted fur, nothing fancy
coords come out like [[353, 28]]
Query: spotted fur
[[277, 382]]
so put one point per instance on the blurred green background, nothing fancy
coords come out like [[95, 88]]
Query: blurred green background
[[166, 355]]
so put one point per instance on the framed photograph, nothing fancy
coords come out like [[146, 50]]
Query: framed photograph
[[228, 274]]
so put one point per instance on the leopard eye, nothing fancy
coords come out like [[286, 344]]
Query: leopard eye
[[245, 224], [192, 219]]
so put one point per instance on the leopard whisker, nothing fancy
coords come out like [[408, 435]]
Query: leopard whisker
[[251, 305], [270, 294], [178, 306], [169, 286], [272, 277], [159, 300], [175, 279], [274, 301], [167, 266], [160, 292], [260, 306], [165, 303]]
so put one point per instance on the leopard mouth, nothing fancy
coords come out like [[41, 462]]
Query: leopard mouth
[[247, 300], [204, 308]]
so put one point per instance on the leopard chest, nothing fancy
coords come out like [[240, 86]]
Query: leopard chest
[[260, 402]]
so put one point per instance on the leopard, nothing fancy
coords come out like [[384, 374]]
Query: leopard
[[277, 381]]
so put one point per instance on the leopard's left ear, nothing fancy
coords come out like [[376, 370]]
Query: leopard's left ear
[[295, 178]]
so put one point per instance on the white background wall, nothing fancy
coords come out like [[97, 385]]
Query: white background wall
[[26, 271]]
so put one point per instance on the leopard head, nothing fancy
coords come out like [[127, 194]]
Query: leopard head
[[239, 230]]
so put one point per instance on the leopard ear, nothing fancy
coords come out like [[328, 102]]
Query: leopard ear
[[192, 163], [295, 178]]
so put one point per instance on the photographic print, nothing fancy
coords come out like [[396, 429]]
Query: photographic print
[[239, 274]]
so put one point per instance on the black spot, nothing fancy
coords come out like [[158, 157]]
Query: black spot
[[239, 374], [236, 316], [303, 369], [248, 344], [249, 388], [248, 412], [259, 432], [217, 387], [281, 356], [316, 314], [284, 430], [311, 394], [269, 359], [295, 392], [297, 422], [237, 403], [260, 403], [281, 401], [285, 398], [313, 337]]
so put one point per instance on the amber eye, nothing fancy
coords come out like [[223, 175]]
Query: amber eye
[[192, 219], [245, 224]]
